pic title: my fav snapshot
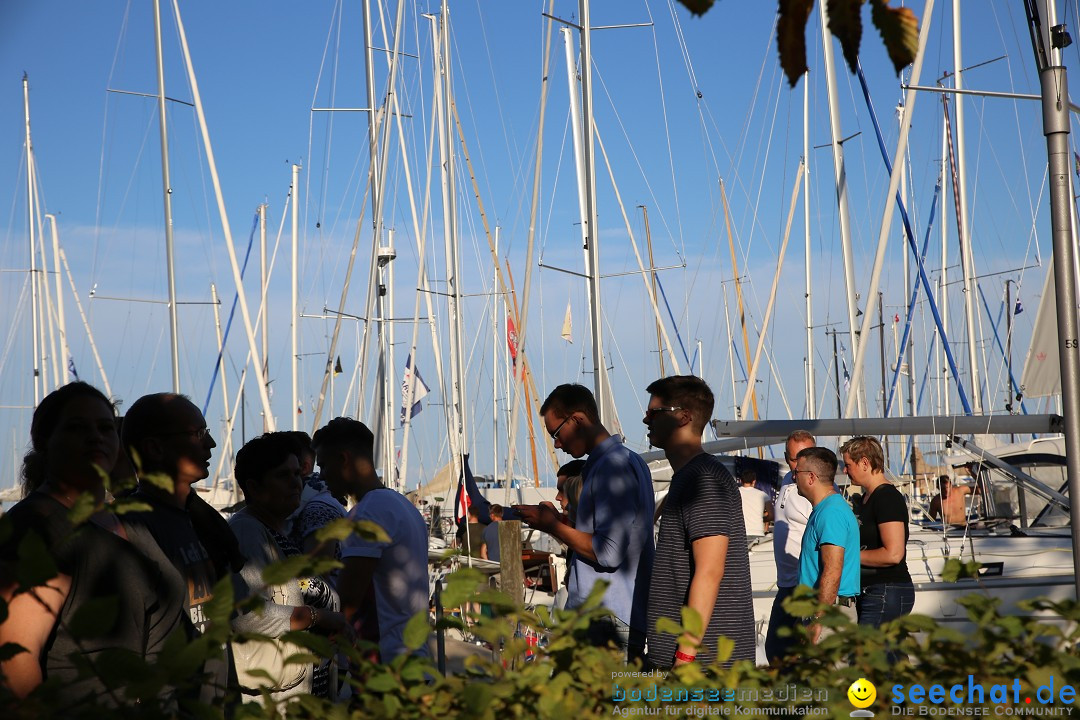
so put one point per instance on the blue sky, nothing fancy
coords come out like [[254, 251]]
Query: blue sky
[[261, 67]]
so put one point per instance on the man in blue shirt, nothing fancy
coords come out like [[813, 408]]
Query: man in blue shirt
[[612, 539], [829, 561]]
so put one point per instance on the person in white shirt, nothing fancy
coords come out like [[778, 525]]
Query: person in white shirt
[[791, 511], [756, 506]]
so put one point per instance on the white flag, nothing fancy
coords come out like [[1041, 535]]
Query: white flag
[[568, 325], [419, 393]]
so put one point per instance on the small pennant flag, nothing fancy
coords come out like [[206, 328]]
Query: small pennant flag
[[417, 391], [75, 373], [847, 377], [1019, 308], [337, 366], [512, 338], [1076, 161], [568, 325], [896, 318]]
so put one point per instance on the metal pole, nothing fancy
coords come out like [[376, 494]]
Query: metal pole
[[174, 342], [943, 387], [836, 375], [294, 318], [592, 223], [811, 409], [35, 319], [652, 273], [60, 299], [967, 262], [262, 298], [840, 174], [1055, 95]]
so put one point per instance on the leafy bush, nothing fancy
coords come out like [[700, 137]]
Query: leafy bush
[[566, 678]]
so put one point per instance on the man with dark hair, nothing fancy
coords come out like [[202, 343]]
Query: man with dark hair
[[170, 446], [790, 513], [394, 571], [612, 539], [489, 549], [829, 561], [701, 555]]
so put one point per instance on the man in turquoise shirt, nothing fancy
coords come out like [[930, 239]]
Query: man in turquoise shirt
[[829, 561]]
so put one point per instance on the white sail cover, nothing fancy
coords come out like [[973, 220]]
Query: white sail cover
[[1042, 368]]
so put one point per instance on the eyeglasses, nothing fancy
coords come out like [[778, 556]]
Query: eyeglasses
[[650, 413], [796, 473], [555, 432], [199, 434]]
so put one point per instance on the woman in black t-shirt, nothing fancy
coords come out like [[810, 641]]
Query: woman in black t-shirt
[[887, 590]]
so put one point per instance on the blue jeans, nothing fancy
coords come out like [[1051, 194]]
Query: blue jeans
[[777, 647], [885, 601]]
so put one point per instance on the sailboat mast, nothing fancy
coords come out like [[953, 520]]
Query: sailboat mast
[[967, 262], [943, 392], [652, 277], [294, 317], [592, 229], [811, 407], [446, 163], [174, 343], [62, 324], [265, 334], [1056, 126], [840, 174], [31, 224]]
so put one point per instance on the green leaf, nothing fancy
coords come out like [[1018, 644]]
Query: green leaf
[[477, 697], [692, 622], [417, 631], [791, 37], [698, 7], [10, 650], [283, 571], [219, 608], [94, 618], [36, 564], [382, 682], [461, 585], [160, 481], [372, 532], [667, 626], [845, 23], [81, 510], [899, 30], [334, 530], [129, 505]]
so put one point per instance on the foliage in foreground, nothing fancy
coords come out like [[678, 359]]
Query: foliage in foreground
[[565, 678]]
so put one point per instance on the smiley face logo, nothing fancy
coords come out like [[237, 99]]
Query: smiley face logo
[[862, 693]]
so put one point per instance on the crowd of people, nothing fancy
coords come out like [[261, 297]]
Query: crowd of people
[[90, 586], [159, 562]]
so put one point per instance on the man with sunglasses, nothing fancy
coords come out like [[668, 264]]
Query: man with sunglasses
[[701, 555], [612, 539], [829, 561], [170, 446], [791, 512]]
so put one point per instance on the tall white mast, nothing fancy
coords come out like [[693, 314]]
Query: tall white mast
[[65, 349], [840, 174], [265, 314], [174, 343], [811, 409], [31, 225], [294, 317], [446, 161], [592, 225], [943, 301], [967, 262]]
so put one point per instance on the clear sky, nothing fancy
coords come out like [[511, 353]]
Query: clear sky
[[680, 104]]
